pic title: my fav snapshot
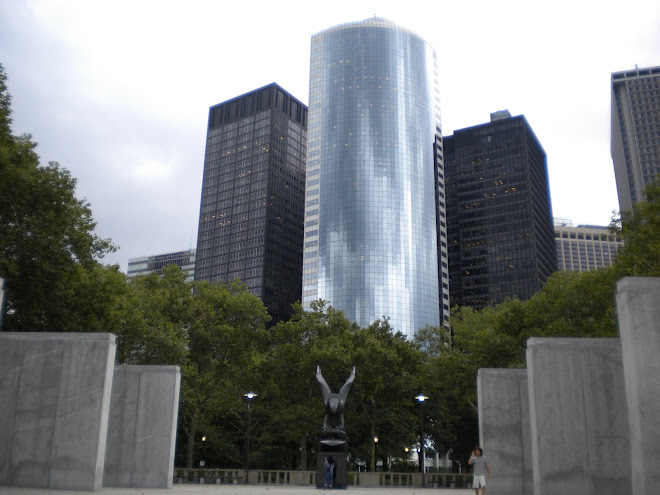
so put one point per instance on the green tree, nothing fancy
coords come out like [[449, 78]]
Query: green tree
[[449, 382], [570, 304], [382, 400], [449, 375], [640, 229], [153, 319], [289, 392], [480, 335], [214, 332], [92, 299], [46, 234], [226, 338]]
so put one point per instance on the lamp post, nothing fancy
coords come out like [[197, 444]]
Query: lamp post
[[375, 456], [203, 461], [249, 396], [421, 398]]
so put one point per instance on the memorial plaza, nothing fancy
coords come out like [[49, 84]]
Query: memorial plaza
[[580, 419]]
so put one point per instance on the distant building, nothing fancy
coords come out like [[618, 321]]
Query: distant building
[[253, 194], [499, 213], [635, 142], [585, 247], [375, 176], [155, 264]]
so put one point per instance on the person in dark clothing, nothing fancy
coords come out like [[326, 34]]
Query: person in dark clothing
[[329, 471]]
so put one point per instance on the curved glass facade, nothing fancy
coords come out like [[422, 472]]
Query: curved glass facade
[[370, 226]]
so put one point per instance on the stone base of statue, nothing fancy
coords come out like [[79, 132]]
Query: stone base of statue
[[340, 474]]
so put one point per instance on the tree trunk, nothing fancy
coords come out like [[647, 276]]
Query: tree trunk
[[303, 453], [373, 447], [192, 430]]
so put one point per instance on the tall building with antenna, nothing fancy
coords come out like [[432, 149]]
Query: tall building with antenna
[[374, 214]]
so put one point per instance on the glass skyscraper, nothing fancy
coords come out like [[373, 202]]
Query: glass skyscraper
[[375, 190]]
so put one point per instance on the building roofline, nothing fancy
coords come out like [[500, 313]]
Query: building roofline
[[379, 22], [635, 73], [273, 84], [498, 122]]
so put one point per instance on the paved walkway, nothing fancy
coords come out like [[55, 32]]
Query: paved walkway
[[239, 490]]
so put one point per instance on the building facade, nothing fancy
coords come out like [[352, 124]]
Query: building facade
[[251, 213], [155, 264], [500, 227], [375, 186], [585, 247], [635, 141]]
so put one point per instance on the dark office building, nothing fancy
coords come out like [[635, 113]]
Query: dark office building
[[499, 215], [253, 196]]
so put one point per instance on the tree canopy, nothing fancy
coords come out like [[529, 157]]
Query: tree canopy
[[640, 229], [214, 332], [46, 234]]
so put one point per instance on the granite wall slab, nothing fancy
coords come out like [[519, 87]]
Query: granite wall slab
[[142, 427], [55, 391], [504, 429], [578, 416], [638, 305]]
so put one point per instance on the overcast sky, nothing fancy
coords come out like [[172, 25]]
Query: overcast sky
[[118, 91]]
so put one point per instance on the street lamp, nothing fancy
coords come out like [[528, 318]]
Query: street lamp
[[203, 461], [421, 398], [249, 396], [375, 456]]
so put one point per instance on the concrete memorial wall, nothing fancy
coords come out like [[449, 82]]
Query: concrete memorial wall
[[579, 422], [504, 429], [142, 427], [55, 391], [638, 305]]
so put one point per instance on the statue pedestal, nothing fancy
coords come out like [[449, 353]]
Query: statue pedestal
[[341, 472]]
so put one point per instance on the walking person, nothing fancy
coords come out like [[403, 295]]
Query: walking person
[[329, 471], [480, 470]]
